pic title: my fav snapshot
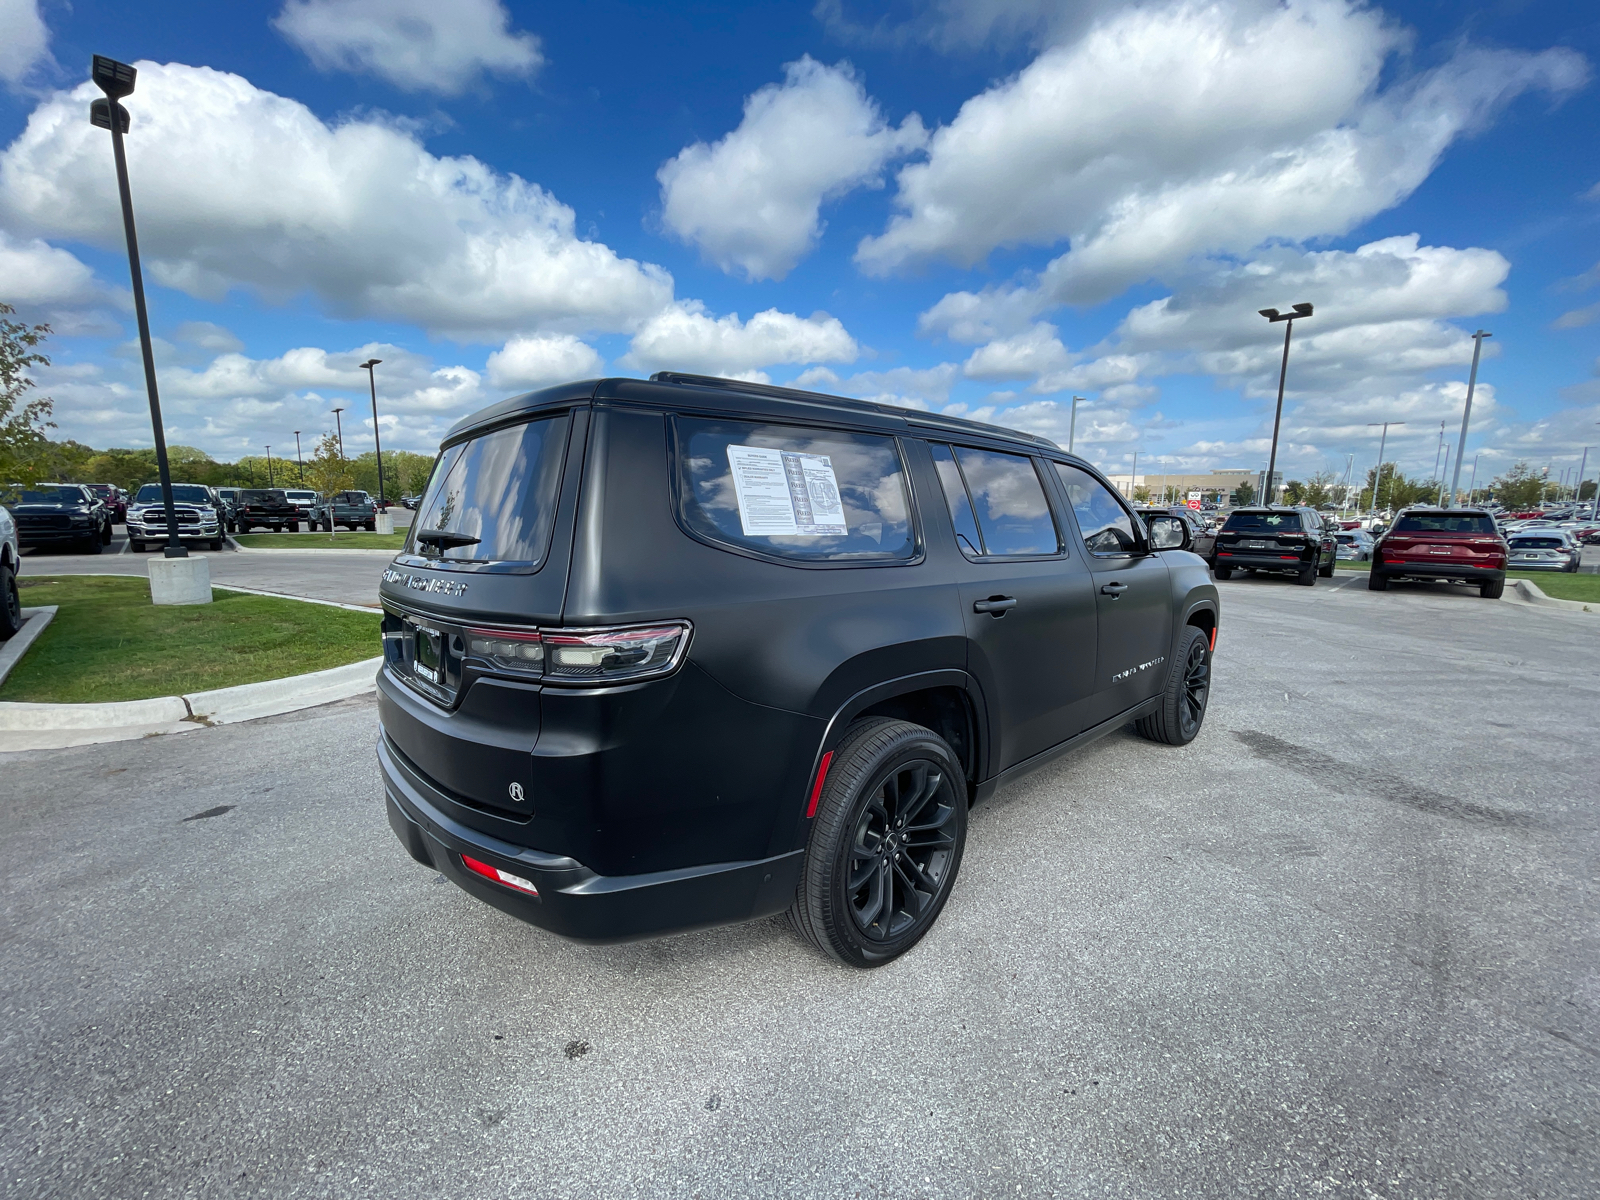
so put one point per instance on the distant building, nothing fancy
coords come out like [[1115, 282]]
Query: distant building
[[1215, 487]]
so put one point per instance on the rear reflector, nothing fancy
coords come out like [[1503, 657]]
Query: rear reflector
[[1213, 639], [496, 875], [816, 788]]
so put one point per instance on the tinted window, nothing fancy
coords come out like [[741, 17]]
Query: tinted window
[[1538, 543], [498, 489], [251, 495], [46, 495], [1007, 500], [182, 493], [957, 501], [814, 494], [1444, 523], [1265, 522], [1106, 526]]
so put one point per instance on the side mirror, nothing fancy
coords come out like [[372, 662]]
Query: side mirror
[[1168, 533]]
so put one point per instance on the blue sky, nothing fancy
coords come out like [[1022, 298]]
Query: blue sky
[[982, 206]]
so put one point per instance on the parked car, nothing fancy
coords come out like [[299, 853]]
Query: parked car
[[195, 507], [1543, 550], [229, 496], [410, 502], [353, 510], [1203, 538], [1450, 544], [1354, 545], [266, 507], [10, 557], [60, 514], [1276, 538], [305, 502], [693, 651], [114, 498]]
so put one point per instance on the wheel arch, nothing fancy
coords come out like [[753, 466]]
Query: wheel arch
[[949, 702]]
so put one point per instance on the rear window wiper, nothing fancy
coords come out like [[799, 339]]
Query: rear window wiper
[[446, 540]]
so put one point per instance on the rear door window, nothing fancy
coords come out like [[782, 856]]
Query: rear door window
[[492, 497], [794, 491], [996, 502]]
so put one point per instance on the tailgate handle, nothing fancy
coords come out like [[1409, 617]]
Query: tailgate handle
[[1114, 590], [995, 605]]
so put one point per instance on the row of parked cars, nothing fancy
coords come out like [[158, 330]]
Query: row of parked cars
[[80, 516]]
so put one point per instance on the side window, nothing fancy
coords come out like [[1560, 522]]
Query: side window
[[794, 491], [1106, 526], [999, 498]]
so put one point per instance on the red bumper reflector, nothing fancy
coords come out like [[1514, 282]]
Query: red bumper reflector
[[1213, 639], [816, 788], [496, 875]]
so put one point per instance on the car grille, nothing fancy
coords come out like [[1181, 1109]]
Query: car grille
[[44, 521], [184, 516]]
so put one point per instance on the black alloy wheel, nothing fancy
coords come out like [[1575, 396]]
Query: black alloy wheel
[[10, 603], [886, 844], [1377, 581], [1182, 708]]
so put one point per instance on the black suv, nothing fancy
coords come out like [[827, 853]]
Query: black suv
[[1279, 538], [691, 651]]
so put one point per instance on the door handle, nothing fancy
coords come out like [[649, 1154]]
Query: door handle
[[996, 606], [1114, 590]]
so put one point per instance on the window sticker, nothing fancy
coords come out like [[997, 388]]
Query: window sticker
[[782, 493]]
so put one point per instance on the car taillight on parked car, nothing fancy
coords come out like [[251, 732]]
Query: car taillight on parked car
[[583, 656]]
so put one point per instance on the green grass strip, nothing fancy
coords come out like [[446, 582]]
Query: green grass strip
[[108, 642], [321, 541], [1556, 584]]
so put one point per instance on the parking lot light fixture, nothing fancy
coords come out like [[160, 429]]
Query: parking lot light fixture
[[1072, 425], [1377, 475], [1290, 317], [300, 463], [339, 428], [1466, 413], [116, 80], [372, 382], [270, 483]]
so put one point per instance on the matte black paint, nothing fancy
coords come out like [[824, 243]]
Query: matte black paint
[[680, 801]]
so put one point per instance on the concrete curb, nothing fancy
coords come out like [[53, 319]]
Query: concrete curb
[[54, 726], [34, 621], [1532, 593]]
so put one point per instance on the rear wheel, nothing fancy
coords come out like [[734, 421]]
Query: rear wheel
[[1492, 589], [886, 844], [10, 603], [1224, 572], [1377, 581], [1183, 701], [1307, 576], [372, 527]]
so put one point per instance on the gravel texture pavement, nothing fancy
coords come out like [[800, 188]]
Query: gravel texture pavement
[[1345, 944]]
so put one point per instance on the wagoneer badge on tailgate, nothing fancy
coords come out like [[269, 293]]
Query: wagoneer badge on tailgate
[[423, 583]]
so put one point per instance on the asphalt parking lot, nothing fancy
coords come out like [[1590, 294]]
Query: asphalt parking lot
[[1345, 944]]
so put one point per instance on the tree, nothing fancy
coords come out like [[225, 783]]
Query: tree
[[327, 470], [1395, 491], [1520, 487], [1586, 490], [1244, 495], [22, 422], [1141, 494]]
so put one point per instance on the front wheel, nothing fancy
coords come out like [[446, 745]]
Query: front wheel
[[1183, 701], [886, 843], [1327, 571], [10, 603]]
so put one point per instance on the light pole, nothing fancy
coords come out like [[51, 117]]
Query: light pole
[[1133, 475], [300, 463], [1072, 426], [1272, 314], [1377, 476], [116, 80], [1472, 483], [1466, 413], [372, 381], [270, 482], [339, 426]]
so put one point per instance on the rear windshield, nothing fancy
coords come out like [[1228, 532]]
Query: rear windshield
[[301, 495], [1538, 543], [352, 498], [182, 493], [254, 495], [793, 491], [1265, 522], [1345, 539], [498, 490], [1444, 523]]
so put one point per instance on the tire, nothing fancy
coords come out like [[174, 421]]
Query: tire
[[1327, 571], [135, 545], [1377, 582], [1492, 589], [1307, 576], [216, 545], [92, 543], [10, 603], [883, 771], [1184, 699], [372, 527], [105, 535], [1224, 572]]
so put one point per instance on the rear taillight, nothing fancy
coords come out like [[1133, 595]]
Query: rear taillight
[[496, 875], [583, 655]]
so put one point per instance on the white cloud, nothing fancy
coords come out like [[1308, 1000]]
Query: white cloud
[[1166, 132], [1028, 355], [910, 387], [204, 335], [1577, 318], [752, 201], [24, 39], [34, 274], [240, 188], [685, 337], [417, 45], [957, 26], [526, 363]]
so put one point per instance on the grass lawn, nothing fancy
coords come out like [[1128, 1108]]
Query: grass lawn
[[1555, 584], [321, 541], [108, 642]]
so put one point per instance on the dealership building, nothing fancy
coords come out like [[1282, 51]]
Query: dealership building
[[1215, 487]]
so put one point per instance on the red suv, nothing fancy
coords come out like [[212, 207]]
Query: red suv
[[1460, 545]]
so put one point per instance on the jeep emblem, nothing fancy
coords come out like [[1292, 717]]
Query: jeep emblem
[[516, 792]]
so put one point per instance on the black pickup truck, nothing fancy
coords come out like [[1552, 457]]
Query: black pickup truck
[[265, 506]]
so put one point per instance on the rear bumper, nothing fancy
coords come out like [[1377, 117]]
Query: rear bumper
[[1427, 570], [56, 537], [573, 900], [1539, 566], [1255, 561]]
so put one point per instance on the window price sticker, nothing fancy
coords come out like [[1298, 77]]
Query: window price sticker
[[782, 492]]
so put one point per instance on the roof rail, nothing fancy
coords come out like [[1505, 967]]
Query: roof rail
[[930, 420]]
